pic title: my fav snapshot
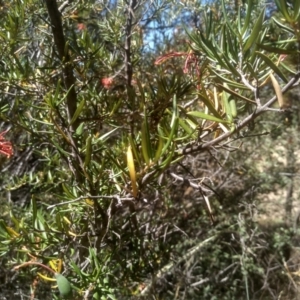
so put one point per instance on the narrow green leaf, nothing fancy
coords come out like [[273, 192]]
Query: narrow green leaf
[[88, 150], [282, 7], [276, 49], [199, 114], [134, 150], [79, 129], [284, 27], [175, 109], [171, 135], [209, 23], [164, 164], [57, 90], [227, 21], [141, 90], [159, 149], [209, 104], [207, 47], [296, 6], [248, 16], [255, 32], [67, 191], [186, 127], [34, 209], [269, 62], [146, 143], [76, 269], [58, 222], [233, 48], [239, 21], [106, 135], [288, 68], [233, 93], [226, 106], [223, 41], [232, 83], [3, 230], [250, 70], [78, 111], [231, 67]]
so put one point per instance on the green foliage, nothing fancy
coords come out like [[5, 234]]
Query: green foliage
[[112, 124]]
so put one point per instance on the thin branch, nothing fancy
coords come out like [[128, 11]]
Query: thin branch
[[60, 43], [260, 110], [91, 197], [252, 88], [162, 272], [192, 184], [128, 64]]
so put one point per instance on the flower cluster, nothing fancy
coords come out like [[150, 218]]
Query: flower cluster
[[107, 82], [5, 146], [191, 65]]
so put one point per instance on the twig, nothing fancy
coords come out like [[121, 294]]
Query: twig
[[128, 64], [30, 263], [162, 272], [91, 197], [240, 125]]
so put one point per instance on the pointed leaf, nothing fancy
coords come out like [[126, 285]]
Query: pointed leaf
[[209, 105], [159, 149], [134, 150], [278, 91], [248, 16], [88, 150], [296, 7], [286, 28], [255, 32], [78, 111], [46, 277], [199, 114], [228, 22], [171, 135], [146, 143], [233, 93], [276, 49], [282, 7], [132, 173], [269, 62], [288, 68], [232, 83]]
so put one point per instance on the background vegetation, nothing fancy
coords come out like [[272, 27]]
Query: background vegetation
[[148, 139]]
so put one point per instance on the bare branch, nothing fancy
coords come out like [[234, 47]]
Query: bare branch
[[128, 65], [60, 43]]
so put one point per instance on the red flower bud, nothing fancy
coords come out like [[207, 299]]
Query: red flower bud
[[5, 146]]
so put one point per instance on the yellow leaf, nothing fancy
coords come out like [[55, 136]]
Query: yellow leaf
[[278, 91], [46, 277], [67, 220], [56, 265], [12, 232], [132, 173], [89, 202]]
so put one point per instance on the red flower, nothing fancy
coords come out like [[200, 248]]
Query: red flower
[[165, 57], [191, 65], [107, 82], [5, 146], [81, 26]]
